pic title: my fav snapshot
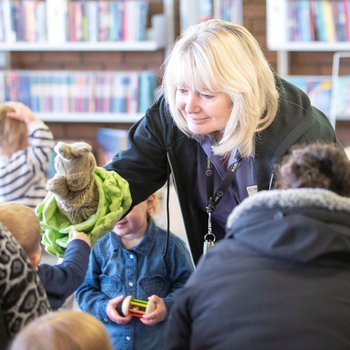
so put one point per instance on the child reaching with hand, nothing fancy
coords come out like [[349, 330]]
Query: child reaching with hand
[[25, 147], [60, 280], [137, 260]]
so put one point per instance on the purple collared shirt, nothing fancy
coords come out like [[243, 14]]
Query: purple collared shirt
[[235, 193]]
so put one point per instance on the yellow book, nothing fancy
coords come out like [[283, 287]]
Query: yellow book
[[329, 20]]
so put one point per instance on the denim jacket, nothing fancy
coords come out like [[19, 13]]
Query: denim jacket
[[139, 272]]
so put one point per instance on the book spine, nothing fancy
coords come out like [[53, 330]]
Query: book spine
[[304, 20], [147, 89], [92, 20], [329, 21], [346, 4], [56, 21]]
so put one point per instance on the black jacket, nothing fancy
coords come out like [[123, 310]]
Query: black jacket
[[158, 148], [279, 280]]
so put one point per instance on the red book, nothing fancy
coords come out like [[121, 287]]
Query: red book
[[347, 19], [312, 20]]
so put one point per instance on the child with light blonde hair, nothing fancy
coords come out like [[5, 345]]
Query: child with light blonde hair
[[60, 280], [26, 144], [141, 260], [13, 131], [63, 330]]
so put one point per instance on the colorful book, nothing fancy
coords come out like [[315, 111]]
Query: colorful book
[[110, 142], [303, 10], [340, 99], [346, 4], [147, 90], [328, 17], [318, 88], [339, 20]]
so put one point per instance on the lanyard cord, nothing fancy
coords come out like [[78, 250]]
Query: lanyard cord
[[214, 199]]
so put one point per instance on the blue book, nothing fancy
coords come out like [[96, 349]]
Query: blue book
[[320, 21], [120, 92], [304, 20], [148, 82], [110, 142], [24, 93]]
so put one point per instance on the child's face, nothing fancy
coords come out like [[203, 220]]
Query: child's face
[[135, 223]]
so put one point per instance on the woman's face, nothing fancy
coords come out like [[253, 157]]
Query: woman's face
[[205, 112]]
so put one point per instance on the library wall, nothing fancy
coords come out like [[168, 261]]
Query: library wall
[[254, 18], [301, 63], [90, 61]]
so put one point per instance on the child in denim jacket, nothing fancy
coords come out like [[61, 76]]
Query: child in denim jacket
[[130, 261]]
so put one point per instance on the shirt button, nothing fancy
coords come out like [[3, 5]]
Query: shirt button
[[278, 215], [131, 256], [131, 284], [128, 338]]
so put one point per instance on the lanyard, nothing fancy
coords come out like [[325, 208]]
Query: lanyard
[[214, 199]]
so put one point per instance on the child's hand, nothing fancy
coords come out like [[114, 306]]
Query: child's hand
[[113, 314], [81, 235], [21, 112], [158, 314]]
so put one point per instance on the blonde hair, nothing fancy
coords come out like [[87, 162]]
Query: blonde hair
[[220, 56], [13, 132], [63, 330], [22, 222]]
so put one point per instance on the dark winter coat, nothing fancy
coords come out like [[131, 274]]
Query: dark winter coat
[[158, 148], [279, 280]]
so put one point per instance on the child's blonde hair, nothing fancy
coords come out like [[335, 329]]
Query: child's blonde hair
[[63, 330], [22, 222], [13, 132]]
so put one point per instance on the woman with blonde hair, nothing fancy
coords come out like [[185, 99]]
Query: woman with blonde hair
[[63, 330], [223, 121]]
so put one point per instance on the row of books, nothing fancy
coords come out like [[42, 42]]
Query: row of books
[[319, 20], [59, 21], [80, 92], [195, 11], [334, 101]]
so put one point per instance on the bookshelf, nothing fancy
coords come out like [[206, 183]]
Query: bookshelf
[[317, 26], [195, 11], [90, 117], [153, 37], [148, 45], [285, 17]]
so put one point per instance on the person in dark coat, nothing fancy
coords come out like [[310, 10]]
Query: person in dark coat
[[221, 107], [281, 277]]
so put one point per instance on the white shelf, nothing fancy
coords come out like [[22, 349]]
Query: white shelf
[[82, 46], [310, 46], [90, 117]]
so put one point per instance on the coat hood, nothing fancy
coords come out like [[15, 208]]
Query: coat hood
[[300, 225]]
